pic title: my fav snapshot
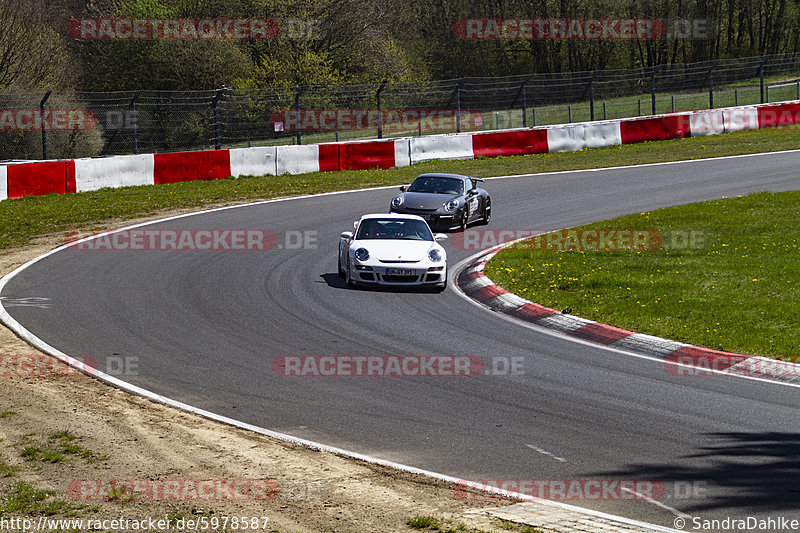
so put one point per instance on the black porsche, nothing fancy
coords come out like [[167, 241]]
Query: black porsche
[[445, 201]]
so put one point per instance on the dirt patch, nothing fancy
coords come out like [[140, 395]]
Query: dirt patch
[[57, 431]]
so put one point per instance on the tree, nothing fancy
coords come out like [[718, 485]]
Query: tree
[[32, 54]]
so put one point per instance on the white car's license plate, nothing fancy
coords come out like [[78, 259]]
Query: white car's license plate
[[400, 272]]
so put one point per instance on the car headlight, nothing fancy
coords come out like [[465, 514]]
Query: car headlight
[[397, 202], [362, 254], [435, 255], [452, 205]]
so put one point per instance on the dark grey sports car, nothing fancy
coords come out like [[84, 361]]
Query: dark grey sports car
[[445, 201]]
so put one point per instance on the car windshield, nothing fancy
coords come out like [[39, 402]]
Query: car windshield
[[393, 228], [437, 185]]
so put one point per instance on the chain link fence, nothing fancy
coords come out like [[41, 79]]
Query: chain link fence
[[80, 124]]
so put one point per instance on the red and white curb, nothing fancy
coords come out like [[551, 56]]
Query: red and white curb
[[476, 285]]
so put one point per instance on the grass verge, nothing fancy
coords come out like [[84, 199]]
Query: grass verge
[[726, 276], [58, 447], [431, 523], [24, 498], [24, 219]]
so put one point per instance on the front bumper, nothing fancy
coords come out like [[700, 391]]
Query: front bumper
[[398, 276], [435, 219]]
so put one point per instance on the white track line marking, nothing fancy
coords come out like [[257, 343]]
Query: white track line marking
[[656, 503], [545, 452]]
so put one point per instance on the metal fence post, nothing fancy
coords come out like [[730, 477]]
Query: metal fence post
[[711, 85], [524, 106], [653, 88], [458, 107], [217, 124], [297, 95], [134, 123], [604, 110], [591, 95], [533, 112], [761, 79], [380, 112], [41, 118]]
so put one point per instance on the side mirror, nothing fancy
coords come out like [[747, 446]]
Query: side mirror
[[355, 224], [403, 188], [439, 237], [346, 235]]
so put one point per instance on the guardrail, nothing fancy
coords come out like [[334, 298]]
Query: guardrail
[[88, 174]]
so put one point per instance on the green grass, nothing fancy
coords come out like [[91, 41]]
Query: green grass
[[64, 441], [736, 288], [434, 524], [58, 445], [7, 470], [7, 413], [27, 499], [120, 495], [33, 453], [24, 219], [424, 522]]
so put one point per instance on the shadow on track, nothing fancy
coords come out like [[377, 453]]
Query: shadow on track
[[758, 471]]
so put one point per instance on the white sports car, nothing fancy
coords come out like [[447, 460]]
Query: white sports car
[[392, 249]]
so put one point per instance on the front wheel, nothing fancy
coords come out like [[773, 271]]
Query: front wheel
[[443, 286], [487, 211], [339, 267], [462, 225], [349, 277]]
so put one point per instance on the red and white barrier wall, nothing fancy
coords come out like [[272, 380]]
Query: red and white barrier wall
[[3, 183], [118, 171], [38, 178], [259, 161], [451, 146], [574, 137]]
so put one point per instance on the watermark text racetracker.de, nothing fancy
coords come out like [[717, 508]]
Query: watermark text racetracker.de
[[724, 364], [583, 489], [20, 119], [193, 29], [174, 490], [581, 29], [388, 119], [192, 240], [579, 240], [402, 366], [46, 366]]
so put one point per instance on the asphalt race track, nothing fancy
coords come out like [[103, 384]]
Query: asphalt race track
[[205, 326]]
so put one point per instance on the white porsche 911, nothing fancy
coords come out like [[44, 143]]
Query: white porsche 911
[[392, 249]]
